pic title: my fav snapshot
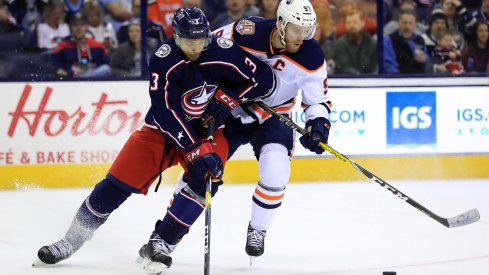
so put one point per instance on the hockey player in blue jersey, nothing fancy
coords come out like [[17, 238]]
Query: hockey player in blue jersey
[[189, 74], [299, 63]]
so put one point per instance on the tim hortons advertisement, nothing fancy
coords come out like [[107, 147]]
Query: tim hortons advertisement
[[68, 122], [88, 122]]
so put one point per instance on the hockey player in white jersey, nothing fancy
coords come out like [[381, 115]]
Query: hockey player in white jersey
[[286, 45]]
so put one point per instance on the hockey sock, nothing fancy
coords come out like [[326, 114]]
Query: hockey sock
[[274, 166], [94, 211], [266, 203], [183, 212]]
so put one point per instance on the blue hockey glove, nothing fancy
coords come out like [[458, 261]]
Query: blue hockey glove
[[203, 162], [317, 131], [218, 110]]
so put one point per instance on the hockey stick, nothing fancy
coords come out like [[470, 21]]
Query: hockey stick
[[466, 218], [207, 255], [208, 197]]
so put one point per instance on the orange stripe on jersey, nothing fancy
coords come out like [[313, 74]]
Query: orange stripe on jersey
[[270, 44], [300, 66], [268, 197], [265, 114]]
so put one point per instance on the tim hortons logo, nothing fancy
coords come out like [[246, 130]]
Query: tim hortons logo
[[106, 117]]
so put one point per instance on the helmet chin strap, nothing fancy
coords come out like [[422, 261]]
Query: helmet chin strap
[[281, 32]]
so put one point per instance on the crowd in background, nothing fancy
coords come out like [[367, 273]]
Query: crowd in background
[[102, 38]]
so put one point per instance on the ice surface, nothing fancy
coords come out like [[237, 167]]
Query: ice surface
[[353, 228]]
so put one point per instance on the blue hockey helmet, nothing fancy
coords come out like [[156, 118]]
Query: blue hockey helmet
[[191, 23]]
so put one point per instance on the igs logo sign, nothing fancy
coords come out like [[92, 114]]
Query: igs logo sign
[[411, 118]]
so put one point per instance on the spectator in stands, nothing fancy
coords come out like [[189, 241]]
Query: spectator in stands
[[213, 8], [325, 31], [7, 21], [117, 12], [251, 9], [268, 9], [53, 29], [485, 9], [73, 6], [356, 51], [450, 11], [404, 50], [438, 23], [155, 33], [475, 57], [161, 11], [126, 59], [393, 26], [27, 13], [446, 57], [324, 19], [192, 3], [424, 9], [78, 55], [345, 7], [235, 11], [101, 31], [469, 13], [326, 47]]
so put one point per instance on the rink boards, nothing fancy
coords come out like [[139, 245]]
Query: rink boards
[[65, 134]]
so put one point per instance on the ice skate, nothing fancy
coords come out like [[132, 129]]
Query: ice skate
[[255, 243], [56, 252], [154, 256]]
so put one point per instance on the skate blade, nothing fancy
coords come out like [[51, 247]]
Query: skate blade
[[252, 260], [38, 263], [139, 260], [153, 268]]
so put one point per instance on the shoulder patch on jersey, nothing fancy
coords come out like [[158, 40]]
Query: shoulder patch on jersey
[[245, 27], [163, 51], [224, 43]]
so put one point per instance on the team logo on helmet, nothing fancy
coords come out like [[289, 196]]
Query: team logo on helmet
[[195, 100], [224, 43], [163, 51]]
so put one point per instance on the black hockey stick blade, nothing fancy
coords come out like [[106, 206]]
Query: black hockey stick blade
[[457, 221]]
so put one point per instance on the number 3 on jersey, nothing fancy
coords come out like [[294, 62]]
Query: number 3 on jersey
[[250, 64], [154, 82]]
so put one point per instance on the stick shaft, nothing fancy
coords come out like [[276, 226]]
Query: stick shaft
[[463, 219]]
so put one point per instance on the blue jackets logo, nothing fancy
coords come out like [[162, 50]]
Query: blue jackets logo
[[411, 118]]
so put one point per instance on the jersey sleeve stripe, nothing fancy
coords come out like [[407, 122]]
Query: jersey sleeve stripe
[[167, 102], [225, 64], [169, 134], [263, 115], [302, 67]]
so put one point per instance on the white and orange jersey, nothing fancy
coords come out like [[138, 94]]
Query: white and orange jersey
[[304, 70]]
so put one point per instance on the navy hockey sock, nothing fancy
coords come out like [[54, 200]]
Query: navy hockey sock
[[183, 212], [104, 199]]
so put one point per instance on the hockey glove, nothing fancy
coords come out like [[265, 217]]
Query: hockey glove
[[203, 162], [317, 131], [218, 110]]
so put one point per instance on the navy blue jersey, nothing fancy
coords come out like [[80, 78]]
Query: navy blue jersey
[[180, 89]]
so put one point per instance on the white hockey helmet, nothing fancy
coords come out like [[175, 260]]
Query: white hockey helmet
[[298, 12]]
